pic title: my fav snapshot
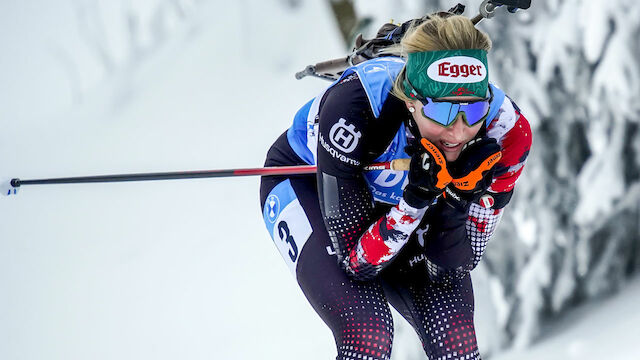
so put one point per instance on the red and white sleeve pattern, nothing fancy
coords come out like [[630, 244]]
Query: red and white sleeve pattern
[[383, 240], [480, 225], [513, 132]]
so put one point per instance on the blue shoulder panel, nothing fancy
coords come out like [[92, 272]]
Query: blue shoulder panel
[[496, 103], [297, 134], [377, 77]]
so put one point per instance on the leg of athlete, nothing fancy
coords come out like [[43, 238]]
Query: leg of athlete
[[356, 312], [441, 313]]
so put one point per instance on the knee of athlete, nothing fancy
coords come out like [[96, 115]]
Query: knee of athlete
[[455, 336], [449, 258], [367, 338], [443, 275]]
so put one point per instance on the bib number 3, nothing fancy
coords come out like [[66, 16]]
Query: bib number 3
[[287, 223], [285, 235]]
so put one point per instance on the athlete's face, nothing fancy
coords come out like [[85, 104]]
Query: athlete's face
[[451, 139]]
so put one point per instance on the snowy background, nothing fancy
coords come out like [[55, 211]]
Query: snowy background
[[185, 269]]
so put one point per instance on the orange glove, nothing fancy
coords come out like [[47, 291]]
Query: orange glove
[[472, 172], [428, 174]]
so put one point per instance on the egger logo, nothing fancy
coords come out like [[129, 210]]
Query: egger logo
[[457, 69]]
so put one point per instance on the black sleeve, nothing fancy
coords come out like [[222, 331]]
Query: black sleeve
[[349, 137], [343, 122], [448, 249]]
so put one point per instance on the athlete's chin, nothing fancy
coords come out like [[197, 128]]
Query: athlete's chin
[[451, 155]]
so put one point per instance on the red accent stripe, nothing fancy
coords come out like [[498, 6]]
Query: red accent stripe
[[297, 169], [516, 144], [277, 170]]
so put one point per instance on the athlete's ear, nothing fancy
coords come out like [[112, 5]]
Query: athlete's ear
[[411, 105]]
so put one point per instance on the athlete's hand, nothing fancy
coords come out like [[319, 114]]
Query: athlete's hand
[[428, 174], [472, 172]]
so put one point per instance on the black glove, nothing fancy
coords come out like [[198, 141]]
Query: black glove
[[472, 172], [428, 174]]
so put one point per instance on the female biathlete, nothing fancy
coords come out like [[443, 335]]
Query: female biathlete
[[358, 241]]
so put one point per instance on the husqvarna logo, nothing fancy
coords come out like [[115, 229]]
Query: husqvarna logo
[[344, 138]]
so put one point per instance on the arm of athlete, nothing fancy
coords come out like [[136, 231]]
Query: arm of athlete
[[468, 217], [513, 132], [349, 137]]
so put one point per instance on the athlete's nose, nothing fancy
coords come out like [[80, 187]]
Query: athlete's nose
[[456, 130]]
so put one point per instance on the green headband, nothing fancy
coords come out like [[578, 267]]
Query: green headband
[[442, 73]]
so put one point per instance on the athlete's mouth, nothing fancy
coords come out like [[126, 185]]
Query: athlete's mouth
[[447, 146]]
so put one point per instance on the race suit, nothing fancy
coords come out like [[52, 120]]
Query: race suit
[[354, 245]]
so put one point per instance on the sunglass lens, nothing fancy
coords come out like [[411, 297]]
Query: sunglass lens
[[475, 112], [445, 113], [440, 112]]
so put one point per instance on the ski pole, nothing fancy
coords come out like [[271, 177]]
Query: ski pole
[[15, 183]]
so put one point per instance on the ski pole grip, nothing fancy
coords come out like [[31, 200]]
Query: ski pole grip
[[400, 164]]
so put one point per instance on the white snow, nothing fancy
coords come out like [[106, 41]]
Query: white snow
[[164, 270], [603, 329]]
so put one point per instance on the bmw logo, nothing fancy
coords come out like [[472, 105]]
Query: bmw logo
[[272, 208]]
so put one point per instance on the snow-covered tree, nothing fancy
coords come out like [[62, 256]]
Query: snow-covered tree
[[571, 232]]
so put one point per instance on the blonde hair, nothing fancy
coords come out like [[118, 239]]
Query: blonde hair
[[438, 33]]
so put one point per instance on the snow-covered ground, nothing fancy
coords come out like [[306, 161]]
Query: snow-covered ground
[[164, 270], [175, 269], [605, 329]]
